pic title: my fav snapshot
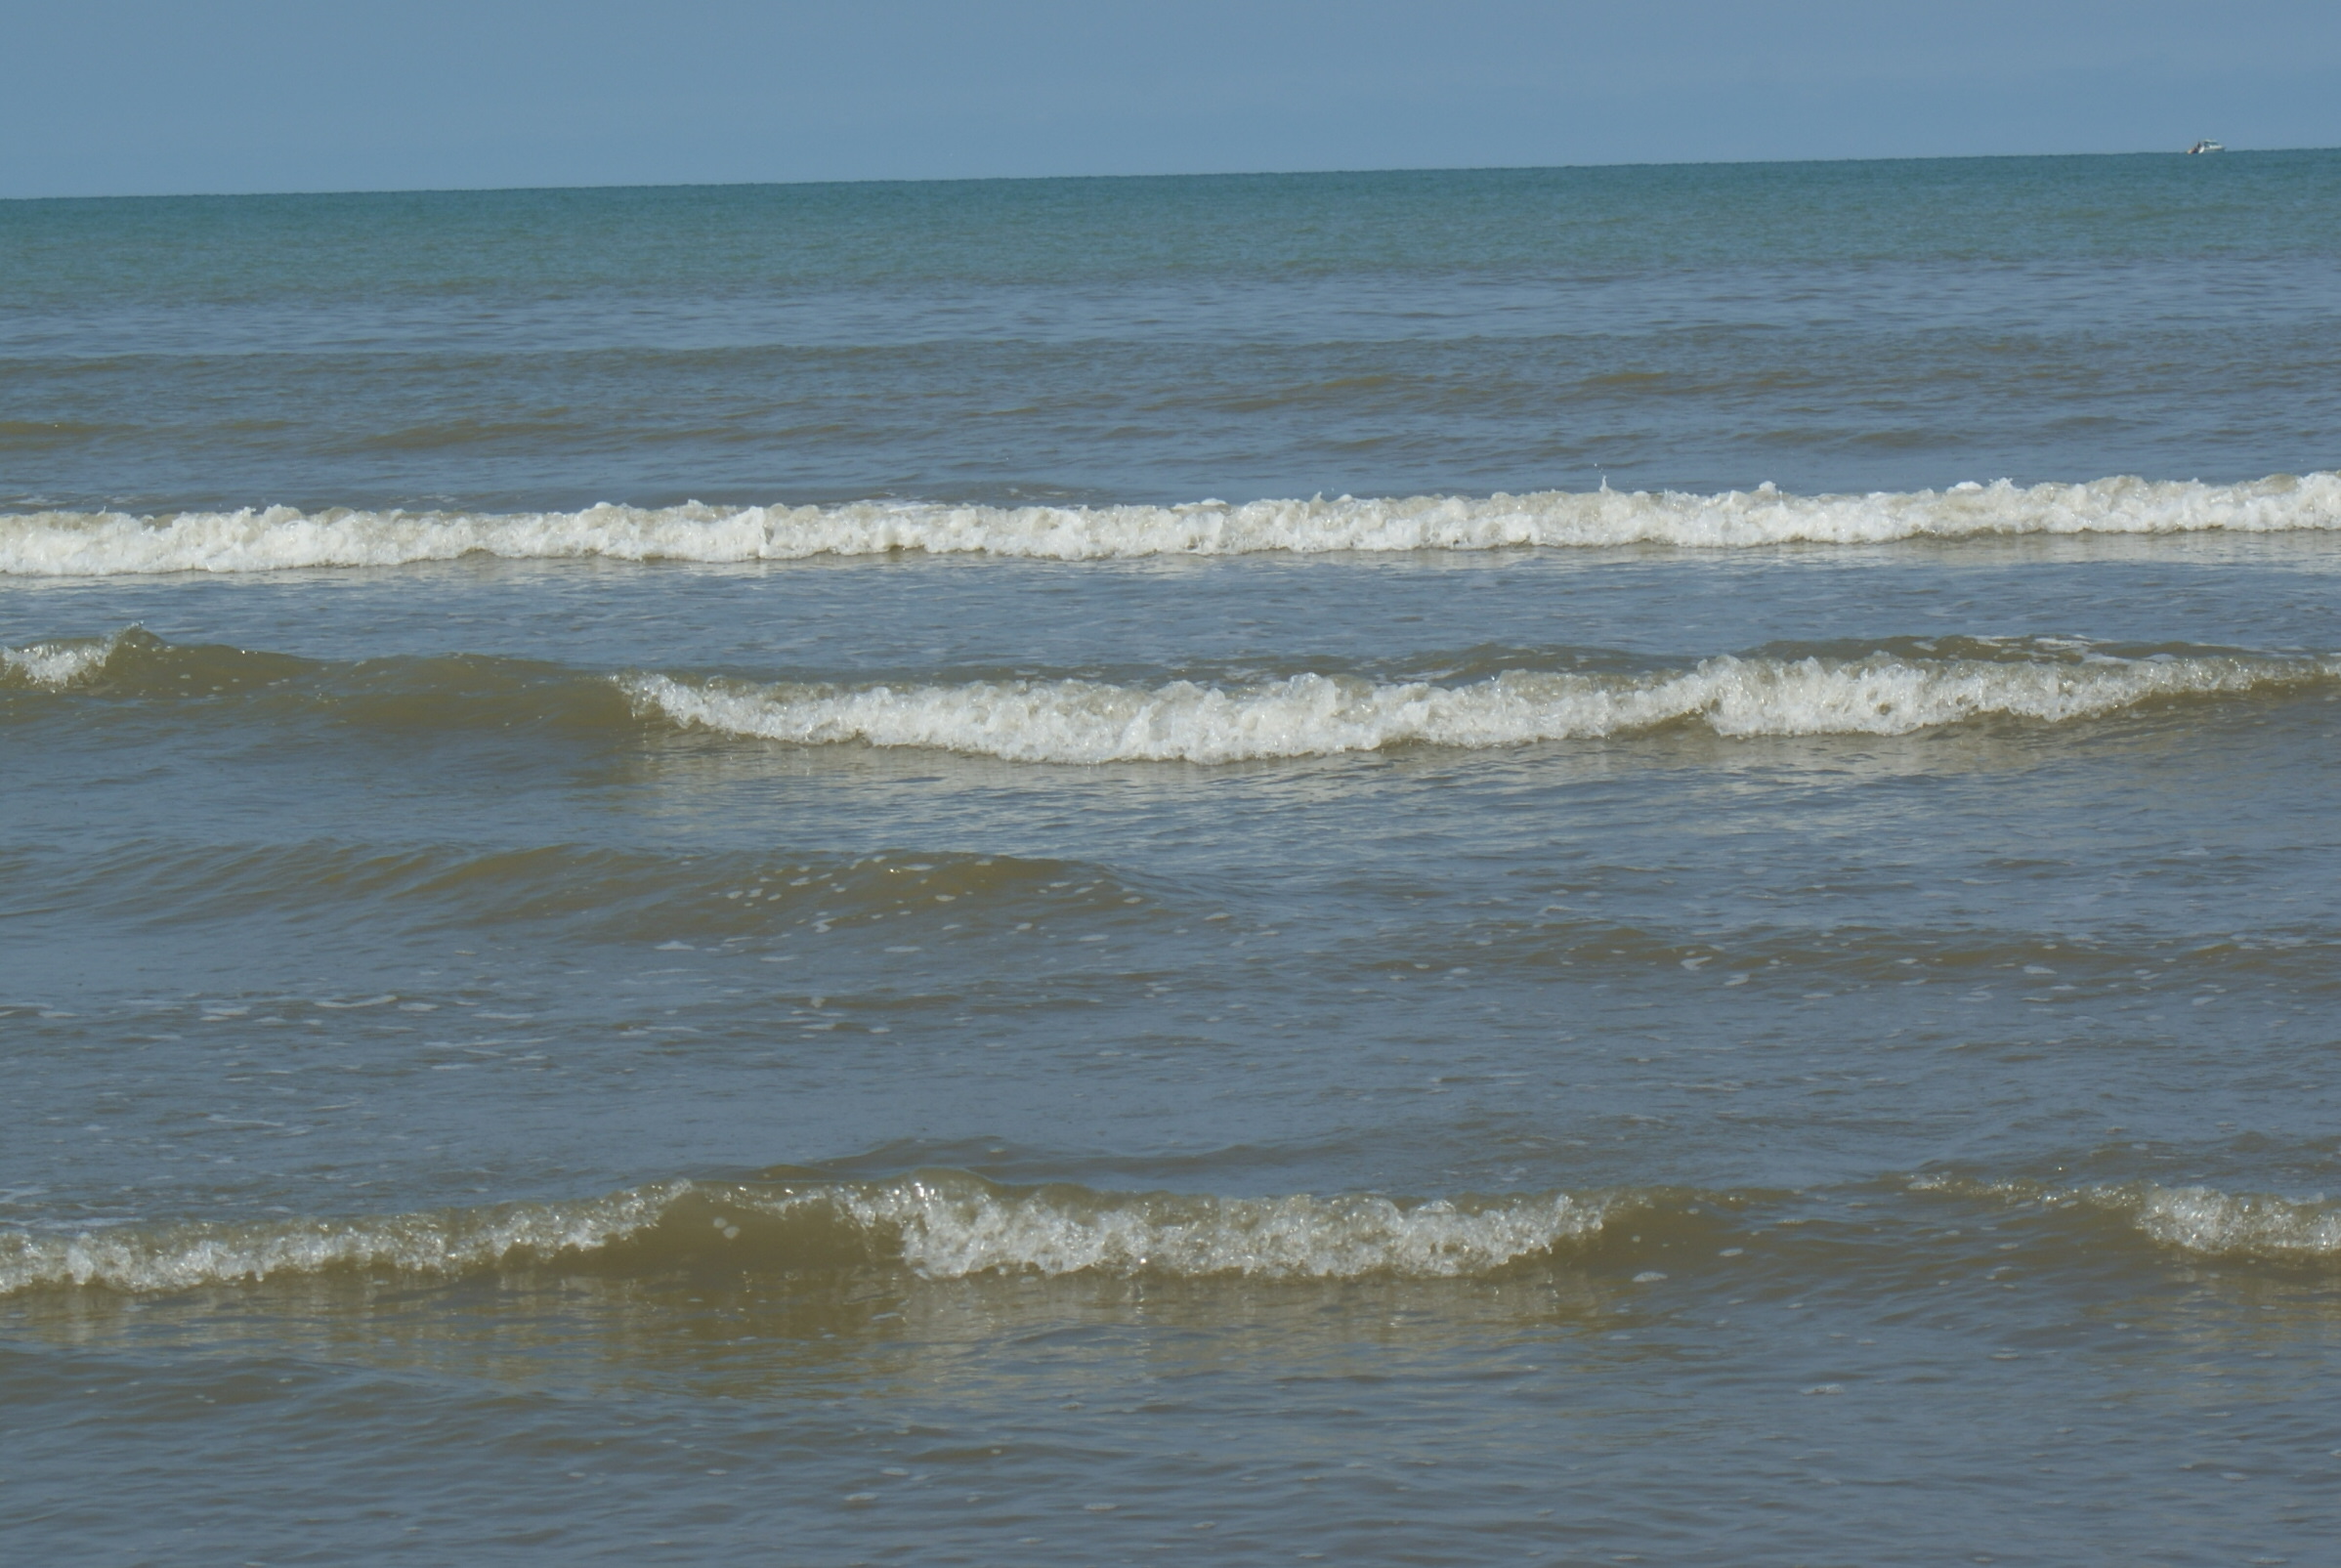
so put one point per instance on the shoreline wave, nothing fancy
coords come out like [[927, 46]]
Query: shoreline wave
[[69, 543], [939, 1225], [1309, 715], [2199, 1220], [1901, 688], [948, 1225]]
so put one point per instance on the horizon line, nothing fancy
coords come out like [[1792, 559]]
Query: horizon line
[[1214, 174]]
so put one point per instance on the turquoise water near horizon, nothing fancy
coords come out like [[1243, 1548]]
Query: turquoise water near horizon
[[1529, 865]]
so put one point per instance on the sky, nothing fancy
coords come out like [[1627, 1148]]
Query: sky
[[150, 96]]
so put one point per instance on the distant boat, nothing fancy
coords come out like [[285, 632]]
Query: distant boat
[[2207, 145]]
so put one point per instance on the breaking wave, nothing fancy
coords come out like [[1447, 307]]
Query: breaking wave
[[2218, 1224], [1904, 686], [2201, 1220], [174, 1258], [939, 1225], [58, 544], [56, 666], [950, 1225], [953, 1229], [1074, 721]]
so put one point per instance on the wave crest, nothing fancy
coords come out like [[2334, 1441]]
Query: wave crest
[[62, 543], [2207, 1221], [940, 1225], [1074, 721], [950, 1230], [171, 1258], [2197, 1219], [56, 666]]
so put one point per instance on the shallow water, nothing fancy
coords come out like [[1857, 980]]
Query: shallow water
[[951, 1004]]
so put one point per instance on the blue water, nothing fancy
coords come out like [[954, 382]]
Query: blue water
[[1617, 953], [1824, 326]]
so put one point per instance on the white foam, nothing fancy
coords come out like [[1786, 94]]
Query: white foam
[[60, 543], [941, 1226], [56, 666], [1074, 721], [441, 1242], [955, 1229], [2197, 1219], [2207, 1221]]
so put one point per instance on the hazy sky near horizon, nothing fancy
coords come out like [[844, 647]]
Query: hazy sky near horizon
[[121, 96]]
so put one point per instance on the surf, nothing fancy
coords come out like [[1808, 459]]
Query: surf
[[1313, 715], [1482, 702], [938, 1225], [104, 545], [941, 1225]]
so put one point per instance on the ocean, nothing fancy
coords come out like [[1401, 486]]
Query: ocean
[[1560, 867]]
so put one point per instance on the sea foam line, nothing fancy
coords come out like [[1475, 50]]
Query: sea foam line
[[60, 544], [1074, 721], [939, 1225], [181, 1256]]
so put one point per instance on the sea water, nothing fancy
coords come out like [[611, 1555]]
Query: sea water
[[1545, 866]]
